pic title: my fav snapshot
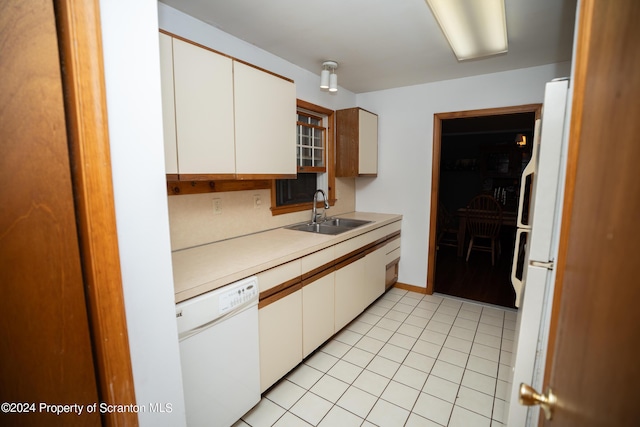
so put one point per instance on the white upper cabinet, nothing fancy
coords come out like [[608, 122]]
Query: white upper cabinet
[[203, 110], [224, 119], [168, 106], [265, 123]]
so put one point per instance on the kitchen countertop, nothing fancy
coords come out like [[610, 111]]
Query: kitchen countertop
[[203, 268]]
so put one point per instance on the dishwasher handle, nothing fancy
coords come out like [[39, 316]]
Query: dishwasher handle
[[197, 329]]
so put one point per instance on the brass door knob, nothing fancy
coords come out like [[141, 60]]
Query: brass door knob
[[529, 397]]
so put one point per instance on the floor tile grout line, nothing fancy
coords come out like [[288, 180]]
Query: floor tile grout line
[[490, 418], [378, 398], [395, 372], [415, 305], [463, 372], [411, 411], [365, 368], [495, 391]]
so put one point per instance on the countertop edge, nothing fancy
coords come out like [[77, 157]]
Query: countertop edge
[[306, 243]]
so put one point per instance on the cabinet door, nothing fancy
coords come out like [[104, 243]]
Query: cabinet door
[[204, 112], [317, 313], [356, 143], [265, 123], [280, 338], [349, 284], [368, 140], [168, 106], [375, 273]]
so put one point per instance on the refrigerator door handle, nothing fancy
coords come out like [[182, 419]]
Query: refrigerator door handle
[[530, 169], [517, 283], [542, 264]]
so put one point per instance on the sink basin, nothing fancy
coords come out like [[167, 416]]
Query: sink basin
[[331, 226], [346, 222], [321, 228]]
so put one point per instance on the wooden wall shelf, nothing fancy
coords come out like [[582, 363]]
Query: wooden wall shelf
[[175, 188]]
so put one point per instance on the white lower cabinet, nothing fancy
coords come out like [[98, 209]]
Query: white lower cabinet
[[350, 292], [375, 272], [280, 338], [317, 312], [308, 300]]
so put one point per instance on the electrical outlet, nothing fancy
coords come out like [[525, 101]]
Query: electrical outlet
[[256, 201], [217, 206]]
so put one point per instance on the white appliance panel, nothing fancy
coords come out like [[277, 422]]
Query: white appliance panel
[[219, 352], [532, 325], [547, 179]]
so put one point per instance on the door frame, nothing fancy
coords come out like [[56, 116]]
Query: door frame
[[435, 169], [80, 46]]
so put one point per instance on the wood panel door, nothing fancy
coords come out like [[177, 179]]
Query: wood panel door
[[45, 343], [64, 337], [593, 364]]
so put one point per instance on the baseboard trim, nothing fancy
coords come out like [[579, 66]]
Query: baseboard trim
[[412, 288]]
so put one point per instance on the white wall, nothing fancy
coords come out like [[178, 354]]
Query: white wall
[[307, 83], [131, 61], [405, 130]]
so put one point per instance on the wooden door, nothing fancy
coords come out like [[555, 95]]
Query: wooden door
[[64, 337], [593, 357], [45, 342]]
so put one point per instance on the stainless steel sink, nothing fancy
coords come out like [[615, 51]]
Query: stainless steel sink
[[320, 228], [346, 222], [331, 226]]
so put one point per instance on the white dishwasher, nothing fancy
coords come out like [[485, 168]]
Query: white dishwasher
[[219, 353]]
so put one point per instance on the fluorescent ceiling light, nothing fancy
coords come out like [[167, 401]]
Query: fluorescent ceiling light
[[474, 28]]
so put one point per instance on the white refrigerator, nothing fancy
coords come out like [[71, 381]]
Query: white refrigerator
[[536, 249]]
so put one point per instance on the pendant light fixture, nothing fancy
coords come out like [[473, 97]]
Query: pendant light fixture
[[328, 76]]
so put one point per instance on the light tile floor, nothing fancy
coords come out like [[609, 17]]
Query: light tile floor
[[408, 360]]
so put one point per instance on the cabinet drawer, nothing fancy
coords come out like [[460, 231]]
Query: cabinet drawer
[[314, 262], [348, 246], [392, 256], [359, 242], [392, 245], [279, 275]]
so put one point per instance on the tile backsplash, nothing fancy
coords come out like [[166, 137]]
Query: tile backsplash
[[193, 221]]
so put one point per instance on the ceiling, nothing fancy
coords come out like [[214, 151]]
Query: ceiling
[[382, 44]]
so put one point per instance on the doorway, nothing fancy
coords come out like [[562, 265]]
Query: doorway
[[475, 152]]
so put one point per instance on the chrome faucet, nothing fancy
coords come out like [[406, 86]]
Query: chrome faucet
[[314, 213]]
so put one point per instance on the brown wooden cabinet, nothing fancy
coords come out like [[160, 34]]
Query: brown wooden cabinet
[[356, 143]]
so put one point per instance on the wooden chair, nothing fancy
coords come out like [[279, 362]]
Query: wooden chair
[[446, 228], [484, 218]]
